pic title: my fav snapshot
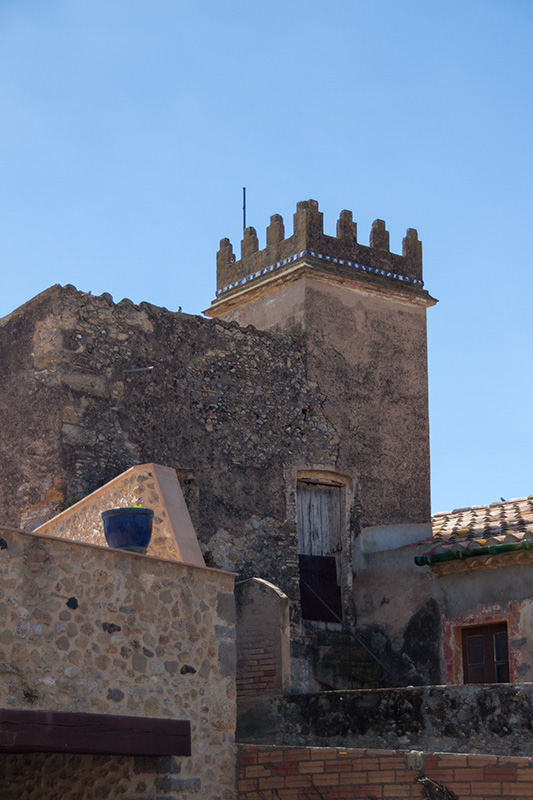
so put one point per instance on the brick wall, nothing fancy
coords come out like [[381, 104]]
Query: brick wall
[[263, 642], [291, 773], [257, 672]]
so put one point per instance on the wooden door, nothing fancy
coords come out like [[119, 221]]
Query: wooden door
[[319, 546], [319, 519]]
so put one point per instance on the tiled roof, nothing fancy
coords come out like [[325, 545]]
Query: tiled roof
[[506, 522]]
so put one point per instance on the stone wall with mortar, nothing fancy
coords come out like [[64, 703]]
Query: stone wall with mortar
[[90, 629], [367, 352], [82, 522], [43, 776], [493, 718], [230, 408], [362, 314], [92, 388]]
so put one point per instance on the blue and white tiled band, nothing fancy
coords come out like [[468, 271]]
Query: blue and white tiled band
[[342, 261]]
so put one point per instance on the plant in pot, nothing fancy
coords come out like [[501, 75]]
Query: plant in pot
[[128, 528]]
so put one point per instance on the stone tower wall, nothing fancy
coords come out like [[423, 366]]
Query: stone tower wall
[[308, 235], [93, 388], [361, 313]]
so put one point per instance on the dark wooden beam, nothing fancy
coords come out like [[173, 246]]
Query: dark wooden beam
[[103, 734]]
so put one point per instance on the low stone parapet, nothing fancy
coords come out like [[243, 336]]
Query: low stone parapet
[[495, 718], [94, 634]]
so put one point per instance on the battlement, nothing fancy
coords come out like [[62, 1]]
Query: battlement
[[309, 240]]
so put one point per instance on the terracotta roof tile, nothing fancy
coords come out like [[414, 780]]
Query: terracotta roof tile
[[504, 522]]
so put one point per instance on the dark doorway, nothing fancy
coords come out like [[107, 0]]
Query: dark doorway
[[319, 546]]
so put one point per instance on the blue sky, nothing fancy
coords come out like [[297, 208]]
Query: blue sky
[[129, 128]]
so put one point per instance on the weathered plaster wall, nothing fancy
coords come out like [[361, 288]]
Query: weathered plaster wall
[[494, 718], [368, 354], [84, 628], [477, 596], [412, 616], [399, 613], [366, 350]]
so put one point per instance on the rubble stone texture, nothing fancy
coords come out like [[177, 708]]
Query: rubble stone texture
[[229, 408], [149, 486], [90, 629], [318, 368]]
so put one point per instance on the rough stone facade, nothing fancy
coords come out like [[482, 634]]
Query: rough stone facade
[[361, 312], [336, 387], [230, 408], [452, 719], [313, 373], [90, 629], [148, 485], [42, 776]]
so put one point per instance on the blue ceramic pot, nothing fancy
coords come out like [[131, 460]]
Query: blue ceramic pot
[[128, 528]]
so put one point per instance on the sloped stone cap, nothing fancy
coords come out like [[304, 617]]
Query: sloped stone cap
[[151, 485]]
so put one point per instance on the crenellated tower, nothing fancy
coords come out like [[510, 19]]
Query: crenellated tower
[[310, 248], [362, 312]]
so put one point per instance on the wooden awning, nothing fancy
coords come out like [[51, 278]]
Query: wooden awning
[[102, 734]]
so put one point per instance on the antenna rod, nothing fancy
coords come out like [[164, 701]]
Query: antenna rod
[[244, 208]]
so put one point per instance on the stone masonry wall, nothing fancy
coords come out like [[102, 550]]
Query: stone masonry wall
[[290, 773], [367, 353], [82, 522], [90, 629], [92, 388], [496, 718], [228, 407], [44, 776]]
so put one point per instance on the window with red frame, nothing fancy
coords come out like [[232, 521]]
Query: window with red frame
[[486, 654]]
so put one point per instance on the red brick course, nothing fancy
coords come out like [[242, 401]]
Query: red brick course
[[256, 670], [290, 773]]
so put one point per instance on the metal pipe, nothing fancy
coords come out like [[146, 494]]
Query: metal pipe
[[471, 552]]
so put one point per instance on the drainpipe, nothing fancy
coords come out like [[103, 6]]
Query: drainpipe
[[471, 552]]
